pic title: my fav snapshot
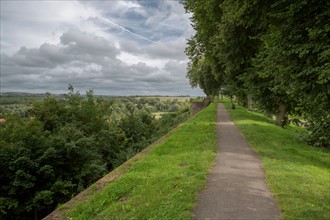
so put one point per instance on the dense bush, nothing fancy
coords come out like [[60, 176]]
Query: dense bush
[[319, 132], [68, 143]]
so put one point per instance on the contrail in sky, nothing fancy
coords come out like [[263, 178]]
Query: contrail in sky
[[107, 21]]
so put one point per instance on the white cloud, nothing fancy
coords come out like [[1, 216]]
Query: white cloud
[[30, 23], [115, 47]]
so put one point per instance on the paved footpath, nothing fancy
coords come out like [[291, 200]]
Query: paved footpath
[[236, 187]]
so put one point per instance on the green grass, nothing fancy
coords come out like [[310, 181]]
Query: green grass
[[164, 184], [298, 175]]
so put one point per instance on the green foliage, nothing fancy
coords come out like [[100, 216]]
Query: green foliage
[[18, 109], [226, 36], [204, 69], [69, 142], [9, 98], [40, 169], [200, 74], [275, 51], [164, 184], [319, 132], [296, 57]]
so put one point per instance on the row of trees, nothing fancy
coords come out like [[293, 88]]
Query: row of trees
[[10, 98], [64, 145], [274, 52], [20, 103]]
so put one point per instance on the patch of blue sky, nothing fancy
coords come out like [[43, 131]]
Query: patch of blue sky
[[151, 4], [132, 14]]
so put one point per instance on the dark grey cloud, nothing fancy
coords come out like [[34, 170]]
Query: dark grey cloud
[[168, 49], [79, 42]]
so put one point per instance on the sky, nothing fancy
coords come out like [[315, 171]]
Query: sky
[[113, 47]]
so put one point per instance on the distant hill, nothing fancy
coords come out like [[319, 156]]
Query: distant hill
[[20, 94]]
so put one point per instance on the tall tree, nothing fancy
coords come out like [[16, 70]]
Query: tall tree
[[295, 56], [276, 51], [201, 74], [204, 68], [227, 35]]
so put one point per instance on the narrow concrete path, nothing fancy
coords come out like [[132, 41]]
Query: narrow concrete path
[[236, 187]]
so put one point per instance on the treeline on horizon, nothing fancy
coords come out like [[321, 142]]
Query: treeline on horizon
[[275, 54], [19, 103], [26, 98], [62, 145]]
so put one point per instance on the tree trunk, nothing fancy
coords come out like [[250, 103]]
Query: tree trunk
[[249, 99], [35, 213], [281, 116]]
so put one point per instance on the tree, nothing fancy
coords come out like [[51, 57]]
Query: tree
[[201, 74], [274, 51], [296, 56], [67, 144], [226, 36]]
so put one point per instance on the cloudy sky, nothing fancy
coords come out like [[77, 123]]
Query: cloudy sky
[[112, 47]]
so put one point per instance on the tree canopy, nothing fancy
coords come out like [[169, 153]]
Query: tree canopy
[[66, 143], [276, 52]]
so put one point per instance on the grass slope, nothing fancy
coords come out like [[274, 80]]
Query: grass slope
[[164, 184], [298, 175]]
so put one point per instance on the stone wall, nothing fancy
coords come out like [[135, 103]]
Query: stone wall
[[198, 106]]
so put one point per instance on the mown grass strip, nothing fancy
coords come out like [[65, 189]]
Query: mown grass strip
[[298, 175], [164, 184]]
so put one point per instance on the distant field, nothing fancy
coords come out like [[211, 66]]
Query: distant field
[[15, 98], [165, 98]]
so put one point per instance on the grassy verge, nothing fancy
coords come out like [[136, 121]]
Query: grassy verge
[[298, 175], [164, 184]]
